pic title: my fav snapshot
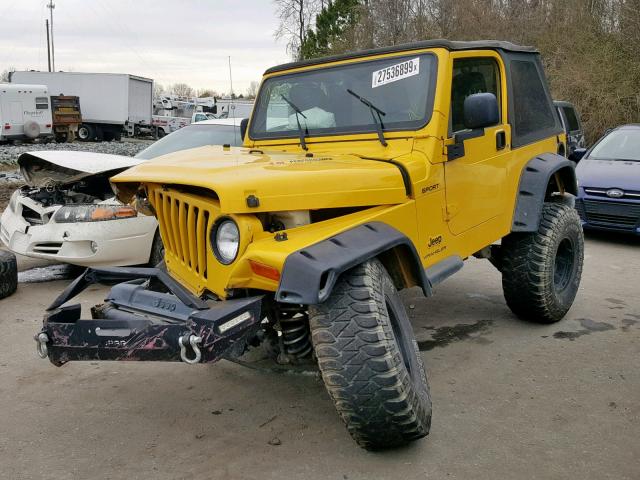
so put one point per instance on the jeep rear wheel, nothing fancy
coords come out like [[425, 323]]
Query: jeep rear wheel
[[369, 359], [541, 271]]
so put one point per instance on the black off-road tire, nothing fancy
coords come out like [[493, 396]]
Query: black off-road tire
[[369, 359], [8, 273], [541, 270], [157, 250]]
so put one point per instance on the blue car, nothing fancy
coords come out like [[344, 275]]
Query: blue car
[[609, 182]]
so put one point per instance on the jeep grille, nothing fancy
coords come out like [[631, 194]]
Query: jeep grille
[[177, 218]]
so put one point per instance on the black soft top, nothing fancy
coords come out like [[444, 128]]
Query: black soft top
[[447, 44]]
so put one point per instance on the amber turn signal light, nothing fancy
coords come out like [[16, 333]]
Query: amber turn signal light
[[264, 270]]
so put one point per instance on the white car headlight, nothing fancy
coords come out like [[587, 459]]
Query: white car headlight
[[225, 241], [93, 213]]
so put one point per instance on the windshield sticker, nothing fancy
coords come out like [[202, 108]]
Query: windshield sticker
[[393, 73]]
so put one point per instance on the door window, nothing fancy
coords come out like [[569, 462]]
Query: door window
[[471, 75]]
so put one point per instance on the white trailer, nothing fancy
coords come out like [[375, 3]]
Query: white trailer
[[25, 112], [111, 103]]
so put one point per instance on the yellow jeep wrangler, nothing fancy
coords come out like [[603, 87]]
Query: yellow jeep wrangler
[[361, 174]]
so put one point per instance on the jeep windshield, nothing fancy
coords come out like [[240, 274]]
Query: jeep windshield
[[397, 94]]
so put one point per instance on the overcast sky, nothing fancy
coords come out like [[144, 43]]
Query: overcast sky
[[168, 40]]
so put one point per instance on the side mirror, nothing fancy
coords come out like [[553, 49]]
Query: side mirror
[[481, 110], [577, 154], [243, 127]]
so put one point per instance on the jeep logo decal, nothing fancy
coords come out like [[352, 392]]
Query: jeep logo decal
[[164, 305], [433, 241]]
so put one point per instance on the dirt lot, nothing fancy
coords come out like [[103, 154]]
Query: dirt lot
[[511, 399]]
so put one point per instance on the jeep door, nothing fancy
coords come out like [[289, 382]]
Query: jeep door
[[475, 178]]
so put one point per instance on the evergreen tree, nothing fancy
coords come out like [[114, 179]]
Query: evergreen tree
[[332, 21]]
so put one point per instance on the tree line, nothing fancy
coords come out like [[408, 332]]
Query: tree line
[[184, 90], [590, 48]]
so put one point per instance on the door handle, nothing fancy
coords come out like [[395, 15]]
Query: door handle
[[501, 140]]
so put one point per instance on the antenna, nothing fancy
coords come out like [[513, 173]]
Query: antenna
[[51, 6], [231, 104]]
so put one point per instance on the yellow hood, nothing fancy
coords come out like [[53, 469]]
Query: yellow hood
[[280, 181]]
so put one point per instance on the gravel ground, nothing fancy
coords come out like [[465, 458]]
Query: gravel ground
[[10, 178]]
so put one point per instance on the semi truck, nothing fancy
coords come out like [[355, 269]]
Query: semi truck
[[112, 104], [25, 112]]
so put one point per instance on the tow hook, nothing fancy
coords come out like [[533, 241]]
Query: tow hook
[[41, 344], [184, 341]]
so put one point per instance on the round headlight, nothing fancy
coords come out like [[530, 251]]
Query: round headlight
[[226, 241]]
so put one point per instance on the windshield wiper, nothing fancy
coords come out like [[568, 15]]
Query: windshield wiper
[[376, 119], [298, 112]]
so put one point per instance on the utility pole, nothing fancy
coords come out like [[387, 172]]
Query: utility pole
[[230, 78], [51, 6], [46, 22]]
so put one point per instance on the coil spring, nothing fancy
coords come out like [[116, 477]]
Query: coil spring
[[296, 336]]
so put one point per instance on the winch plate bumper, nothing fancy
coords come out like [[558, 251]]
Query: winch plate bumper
[[137, 323]]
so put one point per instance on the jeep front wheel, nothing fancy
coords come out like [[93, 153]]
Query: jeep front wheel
[[369, 359], [541, 270]]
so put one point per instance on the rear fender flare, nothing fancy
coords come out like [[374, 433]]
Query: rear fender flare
[[534, 188]]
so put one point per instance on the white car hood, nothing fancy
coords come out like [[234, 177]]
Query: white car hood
[[51, 167]]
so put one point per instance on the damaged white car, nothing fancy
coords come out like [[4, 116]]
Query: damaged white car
[[67, 212]]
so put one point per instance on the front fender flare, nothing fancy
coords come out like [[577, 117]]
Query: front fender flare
[[309, 274]]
